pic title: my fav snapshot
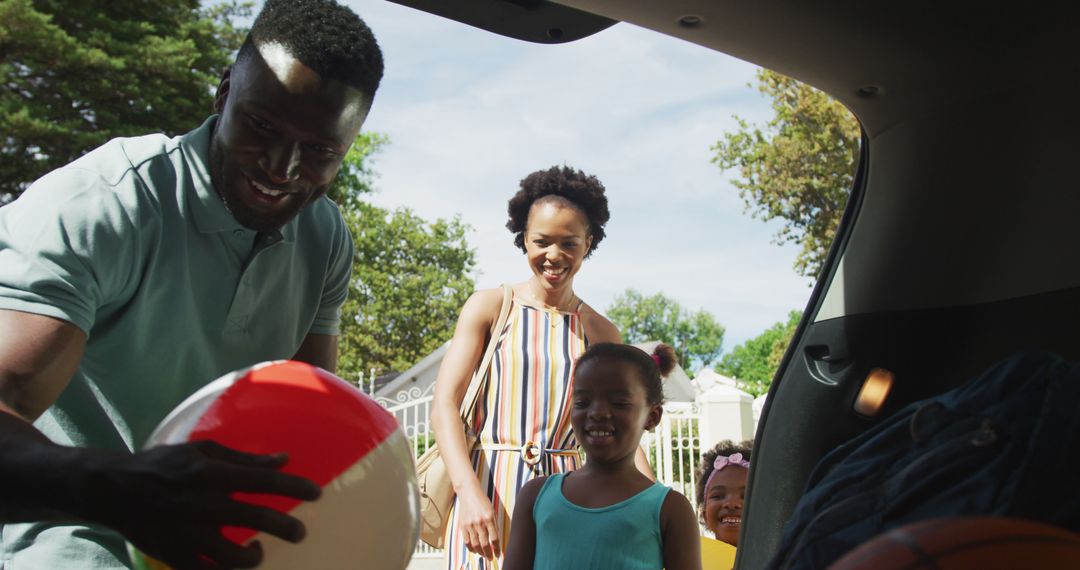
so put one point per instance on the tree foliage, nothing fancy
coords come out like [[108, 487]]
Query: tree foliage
[[799, 168], [410, 276], [76, 74], [696, 336], [754, 363], [356, 179]]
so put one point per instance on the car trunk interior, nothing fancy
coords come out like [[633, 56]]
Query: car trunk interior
[[959, 245]]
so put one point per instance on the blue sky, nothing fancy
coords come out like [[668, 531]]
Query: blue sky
[[470, 113]]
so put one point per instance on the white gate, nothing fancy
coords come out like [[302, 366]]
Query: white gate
[[674, 448], [413, 414]]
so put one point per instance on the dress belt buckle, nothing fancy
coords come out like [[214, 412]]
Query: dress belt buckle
[[531, 452]]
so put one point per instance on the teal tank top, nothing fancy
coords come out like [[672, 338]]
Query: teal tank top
[[625, 535]]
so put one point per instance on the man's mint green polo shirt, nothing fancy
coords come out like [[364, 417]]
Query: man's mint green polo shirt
[[131, 244]]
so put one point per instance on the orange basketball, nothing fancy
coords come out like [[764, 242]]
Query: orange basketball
[[956, 543]]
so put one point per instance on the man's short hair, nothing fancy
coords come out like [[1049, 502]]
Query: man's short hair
[[323, 35]]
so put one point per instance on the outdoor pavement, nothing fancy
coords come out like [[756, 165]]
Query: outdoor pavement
[[427, 564]]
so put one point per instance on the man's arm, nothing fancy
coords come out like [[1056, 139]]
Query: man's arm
[[38, 356], [319, 350], [169, 501], [320, 346]]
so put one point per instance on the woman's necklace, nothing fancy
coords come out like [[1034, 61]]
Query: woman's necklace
[[556, 313]]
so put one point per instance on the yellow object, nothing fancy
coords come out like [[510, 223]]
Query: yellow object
[[716, 554]]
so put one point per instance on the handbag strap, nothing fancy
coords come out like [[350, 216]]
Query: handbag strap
[[468, 404]]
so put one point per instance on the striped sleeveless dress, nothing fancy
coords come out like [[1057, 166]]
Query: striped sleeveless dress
[[523, 416]]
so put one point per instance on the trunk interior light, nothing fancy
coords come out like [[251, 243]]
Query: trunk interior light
[[874, 391]]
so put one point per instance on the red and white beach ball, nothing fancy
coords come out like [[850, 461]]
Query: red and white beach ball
[[368, 515]]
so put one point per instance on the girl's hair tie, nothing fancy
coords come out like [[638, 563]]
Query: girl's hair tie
[[656, 359]]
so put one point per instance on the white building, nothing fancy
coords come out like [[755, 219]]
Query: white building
[[725, 411]]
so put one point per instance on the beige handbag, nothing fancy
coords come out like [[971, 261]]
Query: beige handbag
[[436, 489]]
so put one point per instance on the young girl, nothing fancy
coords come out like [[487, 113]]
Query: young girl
[[721, 487], [607, 514]]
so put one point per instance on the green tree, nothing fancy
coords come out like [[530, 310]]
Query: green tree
[[356, 179], [410, 276], [754, 363], [75, 74], [799, 168], [696, 336]]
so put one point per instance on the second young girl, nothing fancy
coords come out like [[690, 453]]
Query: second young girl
[[607, 514], [721, 488]]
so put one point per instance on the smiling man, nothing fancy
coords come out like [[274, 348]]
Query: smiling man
[[135, 275]]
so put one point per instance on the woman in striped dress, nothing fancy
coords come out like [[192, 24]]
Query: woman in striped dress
[[523, 415]]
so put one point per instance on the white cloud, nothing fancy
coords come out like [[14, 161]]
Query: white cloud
[[470, 113]]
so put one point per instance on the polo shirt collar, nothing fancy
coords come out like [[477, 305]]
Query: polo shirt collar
[[207, 208]]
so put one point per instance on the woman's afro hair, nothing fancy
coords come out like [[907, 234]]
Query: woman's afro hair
[[581, 190]]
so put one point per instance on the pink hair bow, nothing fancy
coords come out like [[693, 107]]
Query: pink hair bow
[[723, 461]]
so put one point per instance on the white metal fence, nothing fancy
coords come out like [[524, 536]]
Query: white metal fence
[[673, 449], [413, 413]]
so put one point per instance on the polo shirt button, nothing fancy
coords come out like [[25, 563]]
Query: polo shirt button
[[238, 233]]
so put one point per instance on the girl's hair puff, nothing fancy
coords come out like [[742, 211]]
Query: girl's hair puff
[[560, 184], [726, 448], [652, 367]]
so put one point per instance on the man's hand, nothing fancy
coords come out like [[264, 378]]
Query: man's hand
[[171, 501]]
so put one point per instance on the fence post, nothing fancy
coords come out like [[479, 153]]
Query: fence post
[[726, 413]]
